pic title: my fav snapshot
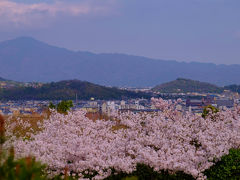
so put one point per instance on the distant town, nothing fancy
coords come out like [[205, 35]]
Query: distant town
[[92, 98], [191, 102]]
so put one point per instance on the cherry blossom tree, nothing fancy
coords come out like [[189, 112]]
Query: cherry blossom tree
[[165, 140]]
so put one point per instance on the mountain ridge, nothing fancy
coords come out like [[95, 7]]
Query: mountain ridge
[[67, 89], [26, 59]]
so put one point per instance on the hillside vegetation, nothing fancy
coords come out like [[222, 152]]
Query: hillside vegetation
[[187, 85], [68, 90]]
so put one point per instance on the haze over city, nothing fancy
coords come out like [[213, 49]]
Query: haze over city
[[186, 30]]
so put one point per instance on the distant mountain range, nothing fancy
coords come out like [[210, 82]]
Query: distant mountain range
[[68, 90], [26, 59], [181, 85]]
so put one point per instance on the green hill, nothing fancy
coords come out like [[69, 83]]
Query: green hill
[[67, 90], [181, 85]]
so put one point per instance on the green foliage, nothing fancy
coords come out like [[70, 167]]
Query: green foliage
[[227, 168], [207, 110], [131, 178], [52, 106], [22, 169], [65, 90], [62, 107], [144, 172], [181, 85]]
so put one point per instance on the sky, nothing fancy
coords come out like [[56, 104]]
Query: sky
[[182, 30]]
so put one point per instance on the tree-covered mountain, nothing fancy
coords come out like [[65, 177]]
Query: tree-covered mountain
[[28, 60], [187, 85], [68, 89]]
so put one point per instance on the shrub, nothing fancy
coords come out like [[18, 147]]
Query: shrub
[[51, 106], [22, 169], [207, 110], [62, 107], [227, 168], [144, 172]]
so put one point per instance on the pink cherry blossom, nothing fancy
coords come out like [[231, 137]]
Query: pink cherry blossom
[[167, 139]]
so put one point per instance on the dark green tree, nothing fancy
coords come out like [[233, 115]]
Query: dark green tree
[[51, 106], [226, 168], [64, 106], [207, 110]]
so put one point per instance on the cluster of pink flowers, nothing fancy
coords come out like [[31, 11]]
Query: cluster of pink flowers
[[167, 139]]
